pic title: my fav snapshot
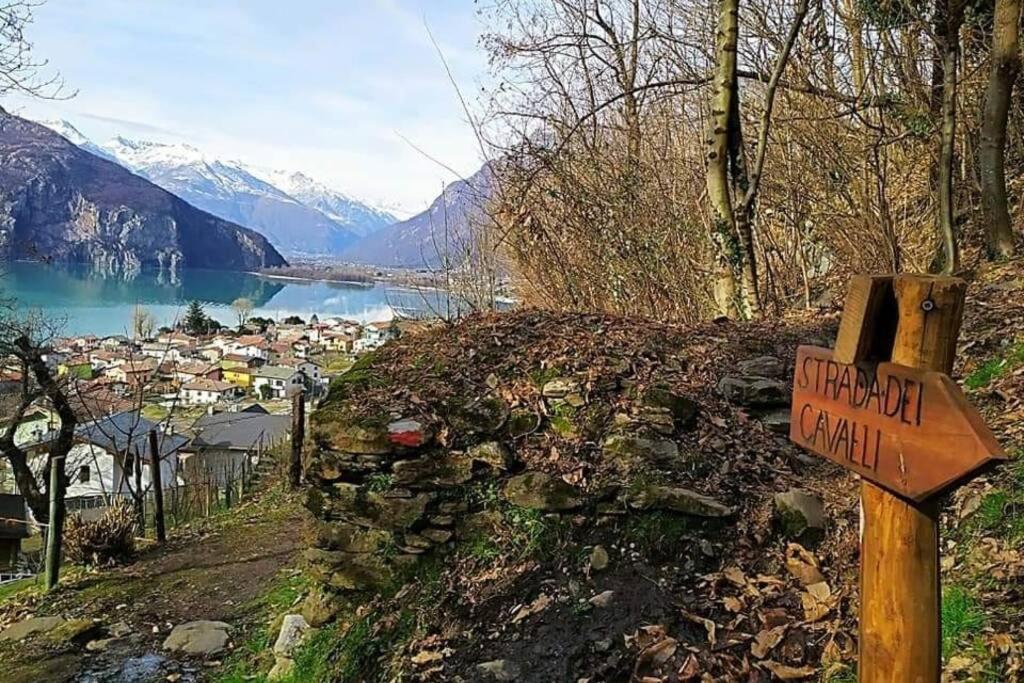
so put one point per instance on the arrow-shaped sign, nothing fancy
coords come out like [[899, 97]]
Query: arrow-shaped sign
[[909, 430]]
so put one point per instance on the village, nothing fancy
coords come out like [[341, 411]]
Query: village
[[216, 403]]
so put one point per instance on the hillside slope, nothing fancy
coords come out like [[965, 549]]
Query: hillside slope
[[61, 203]]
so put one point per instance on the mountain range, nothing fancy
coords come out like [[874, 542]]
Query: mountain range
[[63, 202], [300, 216]]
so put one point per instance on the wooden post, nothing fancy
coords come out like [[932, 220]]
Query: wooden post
[[156, 477], [55, 531], [298, 434], [900, 593]]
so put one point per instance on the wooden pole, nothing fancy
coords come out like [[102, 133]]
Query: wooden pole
[[55, 531], [298, 434], [156, 476], [900, 629]]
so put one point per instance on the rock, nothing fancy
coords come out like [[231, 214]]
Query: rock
[[100, 645], [522, 422], [499, 670], [348, 571], [30, 627], [282, 669], [436, 535], [603, 645], [754, 392], [409, 433], [800, 514], [433, 471], [73, 631], [362, 438], [198, 638], [762, 366], [367, 508], [319, 608], [575, 400], [350, 538], [602, 599], [490, 453], [632, 451], [293, 630], [541, 491], [483, 416], [599, 558], [683, 410], [807, 574], [560, 388], [776, 421], [676, 499]]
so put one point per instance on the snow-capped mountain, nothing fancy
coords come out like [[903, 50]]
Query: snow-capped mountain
[[315, 220], [360, 217]]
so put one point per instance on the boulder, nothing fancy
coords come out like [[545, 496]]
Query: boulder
[[762, 366], [541, 491], [350, 538], [683, 410], [348, 571], [433, 471], [73, 631], [30, 627], [365, 437], [409, 433], [198, 638], [319, 608], [490, 453], [480, 417], [560, 388], [632, 451], [754, 392], [800, 514], [676, 499], [293, 629], [499, 670], [603, 599], [368, 508]]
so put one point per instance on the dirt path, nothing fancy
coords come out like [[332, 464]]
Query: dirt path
[[215, 574]]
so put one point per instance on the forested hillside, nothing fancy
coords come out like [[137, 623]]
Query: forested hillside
[[683, 159]]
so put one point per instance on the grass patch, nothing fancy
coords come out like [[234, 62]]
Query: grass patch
[[994, 368], [962, 619], [155, 412], [9, 590]]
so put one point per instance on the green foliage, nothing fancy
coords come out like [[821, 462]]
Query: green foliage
[[994, 368], [541, 376], [656, 533], [357, 653], [891, 14], [962, 619], [196, 320], [377, 483], [358, 377]]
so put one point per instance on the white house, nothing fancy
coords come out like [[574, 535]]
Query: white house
[[375, 335], [207, 391], [277, 381]]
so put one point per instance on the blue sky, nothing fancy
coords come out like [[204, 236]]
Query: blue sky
[[329, 87]]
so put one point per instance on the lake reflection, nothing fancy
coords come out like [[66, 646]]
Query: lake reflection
[[92, 302]]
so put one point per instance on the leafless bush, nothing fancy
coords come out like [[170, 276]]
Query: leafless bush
[[105, 541]]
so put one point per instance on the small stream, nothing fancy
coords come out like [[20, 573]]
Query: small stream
[[147, 668]]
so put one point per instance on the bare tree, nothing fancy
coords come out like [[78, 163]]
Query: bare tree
[[243, 308], [992, 149], [20, 71]]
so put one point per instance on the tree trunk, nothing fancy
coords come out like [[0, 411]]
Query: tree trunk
[[950, 47], [992, 152], [724, 89]]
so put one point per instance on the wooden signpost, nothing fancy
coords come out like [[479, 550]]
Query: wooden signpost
[[881, 404]]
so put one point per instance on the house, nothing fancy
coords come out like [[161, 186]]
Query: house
[[228, 445], [253, 346], [101, 465], [338, 341], [134, 372], [165, 351], [192, 370], [276, 381], [12, 529], [103, 359], [375, 335], [207, 391], [238, 360], [311, 372], [239, 376]]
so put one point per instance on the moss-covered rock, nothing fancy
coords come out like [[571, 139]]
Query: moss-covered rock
[[480, 417], [630, 452], [800, 515], [676, 499], [350, 538], [541, 491], [682, 408], [437, 470]]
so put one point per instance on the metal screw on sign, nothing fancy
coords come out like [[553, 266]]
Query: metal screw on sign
[[927, 305]]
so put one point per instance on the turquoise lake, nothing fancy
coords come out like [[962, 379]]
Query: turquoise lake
[[89, 302]]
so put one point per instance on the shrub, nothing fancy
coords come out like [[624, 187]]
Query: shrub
[[105, 541]]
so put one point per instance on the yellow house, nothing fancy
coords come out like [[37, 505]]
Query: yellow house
[[240, 377], [78, 367]]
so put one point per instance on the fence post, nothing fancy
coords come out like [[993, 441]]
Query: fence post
[[156, 477], [55, 531], [298, 435]]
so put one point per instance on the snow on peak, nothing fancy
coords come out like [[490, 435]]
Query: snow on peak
[[65, 130], [138, 154]]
